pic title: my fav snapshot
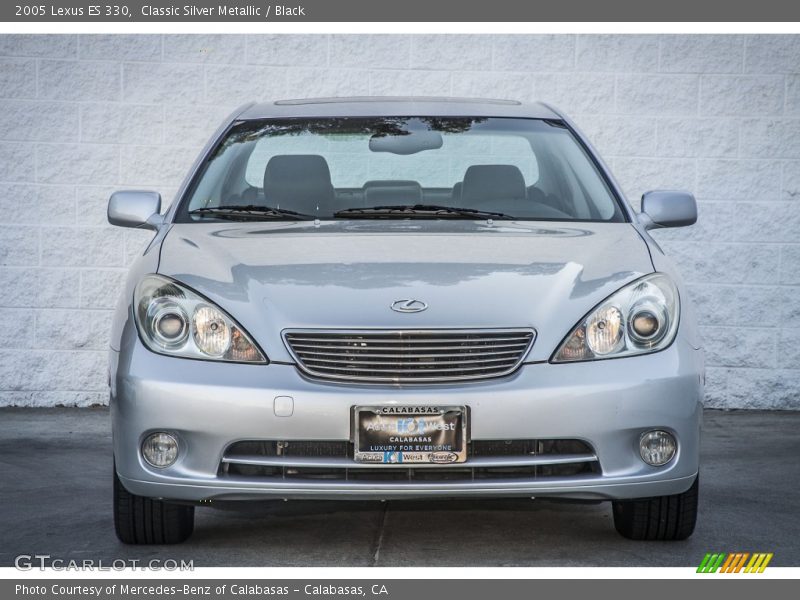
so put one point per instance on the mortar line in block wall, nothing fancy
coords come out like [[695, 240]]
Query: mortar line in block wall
[[205, 87], [783, 180], [54, 391], [79, 308], [785, 94], [98, 351], [659, 51], [575, 39], [744, 53], [699, 96]]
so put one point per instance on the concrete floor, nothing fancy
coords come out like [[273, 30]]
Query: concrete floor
[[55, 494]]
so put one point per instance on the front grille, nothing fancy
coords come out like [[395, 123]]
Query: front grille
[[306, 448], [270, 460], [419, 356]]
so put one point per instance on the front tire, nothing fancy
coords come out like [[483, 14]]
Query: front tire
[[662, 518], [140, 520]]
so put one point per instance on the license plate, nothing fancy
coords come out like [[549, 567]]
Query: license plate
[[410, 434]]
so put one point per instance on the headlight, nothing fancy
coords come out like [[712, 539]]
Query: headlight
[[642, 317], [174, 320]]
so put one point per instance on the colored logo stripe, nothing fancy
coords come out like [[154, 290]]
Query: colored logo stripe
[[730, 560], [710, 563], [734, 562], [758, 563]]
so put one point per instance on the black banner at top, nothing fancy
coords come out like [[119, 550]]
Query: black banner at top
[[210, 11]]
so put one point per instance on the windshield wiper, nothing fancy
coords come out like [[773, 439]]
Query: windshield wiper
[[248, 212], [420, 211]]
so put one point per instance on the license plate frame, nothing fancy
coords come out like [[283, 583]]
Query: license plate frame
[[410, 435]]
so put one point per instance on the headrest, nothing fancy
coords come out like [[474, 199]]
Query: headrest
[[492, 182], [298, 182], [456, 196]]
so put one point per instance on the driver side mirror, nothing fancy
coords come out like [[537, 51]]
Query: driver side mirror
[[134, 208], [665, 208]]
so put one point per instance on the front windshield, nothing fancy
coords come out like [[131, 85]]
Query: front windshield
[[400, 168]]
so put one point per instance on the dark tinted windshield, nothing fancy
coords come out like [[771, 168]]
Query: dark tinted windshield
[[525, 169]]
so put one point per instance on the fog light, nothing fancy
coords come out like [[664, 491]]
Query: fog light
[[160, 449], [657, 447]]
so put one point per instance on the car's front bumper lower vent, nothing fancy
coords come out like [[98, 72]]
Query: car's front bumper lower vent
[[270, 460], [403, 356]]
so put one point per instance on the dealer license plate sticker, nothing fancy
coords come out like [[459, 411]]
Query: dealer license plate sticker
[[410, 434]]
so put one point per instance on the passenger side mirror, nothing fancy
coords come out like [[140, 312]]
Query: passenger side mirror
[[134, 208], [665, 208]]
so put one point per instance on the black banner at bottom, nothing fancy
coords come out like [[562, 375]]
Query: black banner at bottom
[[392, 589]]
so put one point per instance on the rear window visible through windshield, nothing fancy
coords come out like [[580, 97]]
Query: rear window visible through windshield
[[400, 167]]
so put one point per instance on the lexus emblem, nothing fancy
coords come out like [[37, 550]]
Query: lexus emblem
[[408, 306]]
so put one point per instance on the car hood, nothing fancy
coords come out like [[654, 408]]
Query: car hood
[[346, 274]]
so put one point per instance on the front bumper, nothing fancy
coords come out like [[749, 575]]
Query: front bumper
[[208, 406]]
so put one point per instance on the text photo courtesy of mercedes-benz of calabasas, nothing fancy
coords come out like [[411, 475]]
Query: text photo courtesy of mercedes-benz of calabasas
[[403, 298]]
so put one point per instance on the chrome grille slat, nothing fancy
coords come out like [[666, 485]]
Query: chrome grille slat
[[412, 362], [396, 355], [408, 356], [356, 346], [405, 370], [326, 461], [402, 339], [336, 462]]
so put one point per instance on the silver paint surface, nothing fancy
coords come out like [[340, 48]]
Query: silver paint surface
[[274, 276]]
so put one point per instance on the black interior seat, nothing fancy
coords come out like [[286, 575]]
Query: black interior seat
[[456, 197], [538, 196], [501, 188], [493, 187], [299, 182]]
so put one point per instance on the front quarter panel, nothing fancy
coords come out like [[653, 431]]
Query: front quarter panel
[[144, 264]]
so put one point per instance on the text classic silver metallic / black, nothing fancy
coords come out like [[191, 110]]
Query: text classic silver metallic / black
[[382, 298]]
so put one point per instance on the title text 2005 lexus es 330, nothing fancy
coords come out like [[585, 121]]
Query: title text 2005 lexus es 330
[[383, 298]]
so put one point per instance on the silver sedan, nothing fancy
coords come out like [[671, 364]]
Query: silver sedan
[[403, 298]]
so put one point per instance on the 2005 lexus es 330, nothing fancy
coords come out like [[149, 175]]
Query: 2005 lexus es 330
[[381, 298]]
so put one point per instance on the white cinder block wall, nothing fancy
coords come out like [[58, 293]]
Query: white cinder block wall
[[81, 116]]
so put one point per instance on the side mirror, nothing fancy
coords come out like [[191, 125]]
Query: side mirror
[[133, 208], [668, 209]]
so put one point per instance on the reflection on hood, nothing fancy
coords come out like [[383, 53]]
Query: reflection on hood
[[272, 276]]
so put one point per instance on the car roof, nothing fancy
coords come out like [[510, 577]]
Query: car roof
[[396, 106]]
